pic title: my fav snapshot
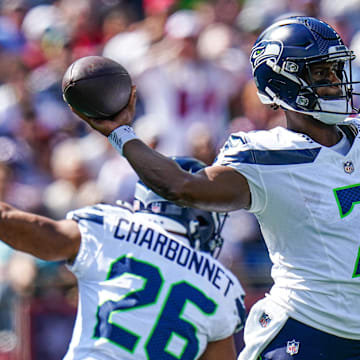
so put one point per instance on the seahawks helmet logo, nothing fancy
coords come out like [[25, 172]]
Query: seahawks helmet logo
[[265, 50]]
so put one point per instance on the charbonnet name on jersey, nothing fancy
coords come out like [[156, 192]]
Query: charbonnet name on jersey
[[196, 261]]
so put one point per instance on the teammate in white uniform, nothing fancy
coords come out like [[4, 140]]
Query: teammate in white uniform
[[145, 292], [302, 183]]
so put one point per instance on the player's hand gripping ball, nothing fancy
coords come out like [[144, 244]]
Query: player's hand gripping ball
[[96, 87]]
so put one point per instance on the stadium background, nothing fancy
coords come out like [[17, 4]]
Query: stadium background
[[195, 88]]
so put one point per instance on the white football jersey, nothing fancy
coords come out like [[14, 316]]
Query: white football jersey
[[306, 198], [144, 294]]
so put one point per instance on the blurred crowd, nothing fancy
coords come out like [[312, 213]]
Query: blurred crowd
[[189, 61]]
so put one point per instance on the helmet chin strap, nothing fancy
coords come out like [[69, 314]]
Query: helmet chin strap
[[328, 116], [330, 107], [333, 111]]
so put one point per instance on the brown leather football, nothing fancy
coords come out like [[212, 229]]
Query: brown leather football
[[96, 86]]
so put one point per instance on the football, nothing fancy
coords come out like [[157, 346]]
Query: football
[[96, 86]]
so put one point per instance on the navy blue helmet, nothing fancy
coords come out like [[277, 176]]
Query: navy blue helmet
[[202, 228], [281, 58]]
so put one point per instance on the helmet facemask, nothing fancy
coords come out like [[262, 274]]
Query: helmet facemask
[[206, 232], [330, 107]]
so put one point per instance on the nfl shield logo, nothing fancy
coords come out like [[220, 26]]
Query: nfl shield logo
[[348, 167], [264, 320], [292, 347], [156, 207]]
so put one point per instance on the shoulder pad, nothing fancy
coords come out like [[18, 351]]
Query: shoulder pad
[[90, 213]]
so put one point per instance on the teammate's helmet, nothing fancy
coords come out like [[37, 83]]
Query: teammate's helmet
[[202, 228], [281, 59]]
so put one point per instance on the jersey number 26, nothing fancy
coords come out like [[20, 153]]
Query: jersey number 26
[[169, 322]]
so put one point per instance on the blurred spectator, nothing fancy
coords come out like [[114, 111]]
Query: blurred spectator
[[116, 179], [119, 17], [201, 144], [258, 14], [5, 251], [5, 178], [13, 92], [129, 48], [15, 11], [73, 186], [186, 88], [17, 282], [255, 115], [226, 11], [152, 7], [305, 7], [83, 23], [115, 22]]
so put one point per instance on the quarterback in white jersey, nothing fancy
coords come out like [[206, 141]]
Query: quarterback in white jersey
[[295, 181], [149, 287], [302, 183]]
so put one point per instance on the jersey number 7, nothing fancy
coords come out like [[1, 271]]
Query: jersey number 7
[[347, 197]]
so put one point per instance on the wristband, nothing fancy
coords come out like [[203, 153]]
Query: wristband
[[120, 136]]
